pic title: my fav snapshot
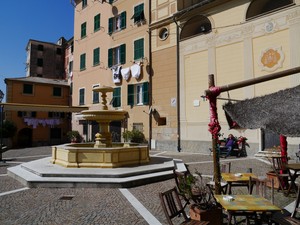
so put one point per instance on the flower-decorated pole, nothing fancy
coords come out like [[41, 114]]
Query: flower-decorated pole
[[214, 129]]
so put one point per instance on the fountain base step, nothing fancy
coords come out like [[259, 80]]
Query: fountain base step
[[42, 173]]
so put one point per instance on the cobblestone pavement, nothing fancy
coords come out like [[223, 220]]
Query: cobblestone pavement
[[99, 206]]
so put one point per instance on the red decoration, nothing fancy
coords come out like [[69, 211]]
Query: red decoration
[[214, 125]]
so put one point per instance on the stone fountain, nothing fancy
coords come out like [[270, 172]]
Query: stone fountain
[[103, 153]]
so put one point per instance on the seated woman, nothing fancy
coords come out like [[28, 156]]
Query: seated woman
[[229, 144]]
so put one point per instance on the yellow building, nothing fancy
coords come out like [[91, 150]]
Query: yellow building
[[235, 41], [111, 48]]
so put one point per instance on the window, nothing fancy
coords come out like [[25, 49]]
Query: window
[[197, 25], [97, 22], [27, 89], [57, 92], [139, 49], [138, 15], [138, 94], [117, 55], [83, 30], [26, 114], [263, 7], [40, 62], [58, 51], [56, 115], [95, 94], [116, 97], [70, 66], [117, 23], [81, 96], [82, 61], [40, 47], [96, 57], [84, 3]]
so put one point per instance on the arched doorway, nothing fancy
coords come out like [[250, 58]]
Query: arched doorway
[[24, 138]]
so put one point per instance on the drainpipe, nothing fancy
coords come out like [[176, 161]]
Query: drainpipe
[[150, 79], [178, 87]]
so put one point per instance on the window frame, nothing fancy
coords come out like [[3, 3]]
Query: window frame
[[96, 56], [96, 95], [117, 23], [97, 20], [83, 30], [117, 97], [117, 55], [84, 4], [25, 87], [132, 94], [82, 61], [57, 93], [138, 13], [81, 99], [139, 48]]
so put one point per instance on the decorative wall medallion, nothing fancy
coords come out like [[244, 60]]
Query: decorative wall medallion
[[271, 59]]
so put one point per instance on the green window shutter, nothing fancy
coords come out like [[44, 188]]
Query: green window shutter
[[110, 1], [96, 58], [130, 94], [82, 61], [139, 49], [138, 13], [123, 20], [110, 25], [146, 93], [117, 97], [83, 30], [123, 54], [97, 22], [110, 57]]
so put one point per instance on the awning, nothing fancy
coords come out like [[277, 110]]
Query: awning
[[278, 112], [41, 108]]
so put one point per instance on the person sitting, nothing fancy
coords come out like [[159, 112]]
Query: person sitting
[[229, 144]]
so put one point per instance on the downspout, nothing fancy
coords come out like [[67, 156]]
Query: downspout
[[178, 87], [150, 80]]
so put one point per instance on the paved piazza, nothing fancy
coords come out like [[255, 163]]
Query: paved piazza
[[20, 205]]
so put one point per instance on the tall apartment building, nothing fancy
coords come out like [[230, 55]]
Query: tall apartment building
[[45, 59], [111, 48]]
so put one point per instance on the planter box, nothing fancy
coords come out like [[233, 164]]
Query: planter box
[[272, 175], [214, 216]]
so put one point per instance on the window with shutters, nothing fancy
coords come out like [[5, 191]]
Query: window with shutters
[[138, 15], [28, 89], [82, 61], [139, 49], [117, 23], [117, 55], [95, 94], [83, 30], [81, 96], [57, 91], [138, 94], [96, 56], [116, 102], [97, 22]]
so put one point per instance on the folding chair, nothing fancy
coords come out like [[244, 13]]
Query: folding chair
[[172, 208], [278, 164], [294, 218]]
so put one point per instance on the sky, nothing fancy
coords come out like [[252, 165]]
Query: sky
[[42, 20]]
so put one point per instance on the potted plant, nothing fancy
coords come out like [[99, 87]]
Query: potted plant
[[204, 206], [74, 136]]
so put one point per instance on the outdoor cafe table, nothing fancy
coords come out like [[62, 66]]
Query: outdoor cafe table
[[293, 175], [237, 179], [245, 204]]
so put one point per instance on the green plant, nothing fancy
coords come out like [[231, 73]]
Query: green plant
[[127, 135], [74, 136], [135, 136], [8, 129]]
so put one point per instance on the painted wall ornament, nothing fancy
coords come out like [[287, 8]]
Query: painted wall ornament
[[271, 59]]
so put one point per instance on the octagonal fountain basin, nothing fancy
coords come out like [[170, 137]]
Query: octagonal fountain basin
[[85, 155]]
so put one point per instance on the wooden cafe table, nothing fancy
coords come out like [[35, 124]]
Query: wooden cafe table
[[237, 179], [245, 204]]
